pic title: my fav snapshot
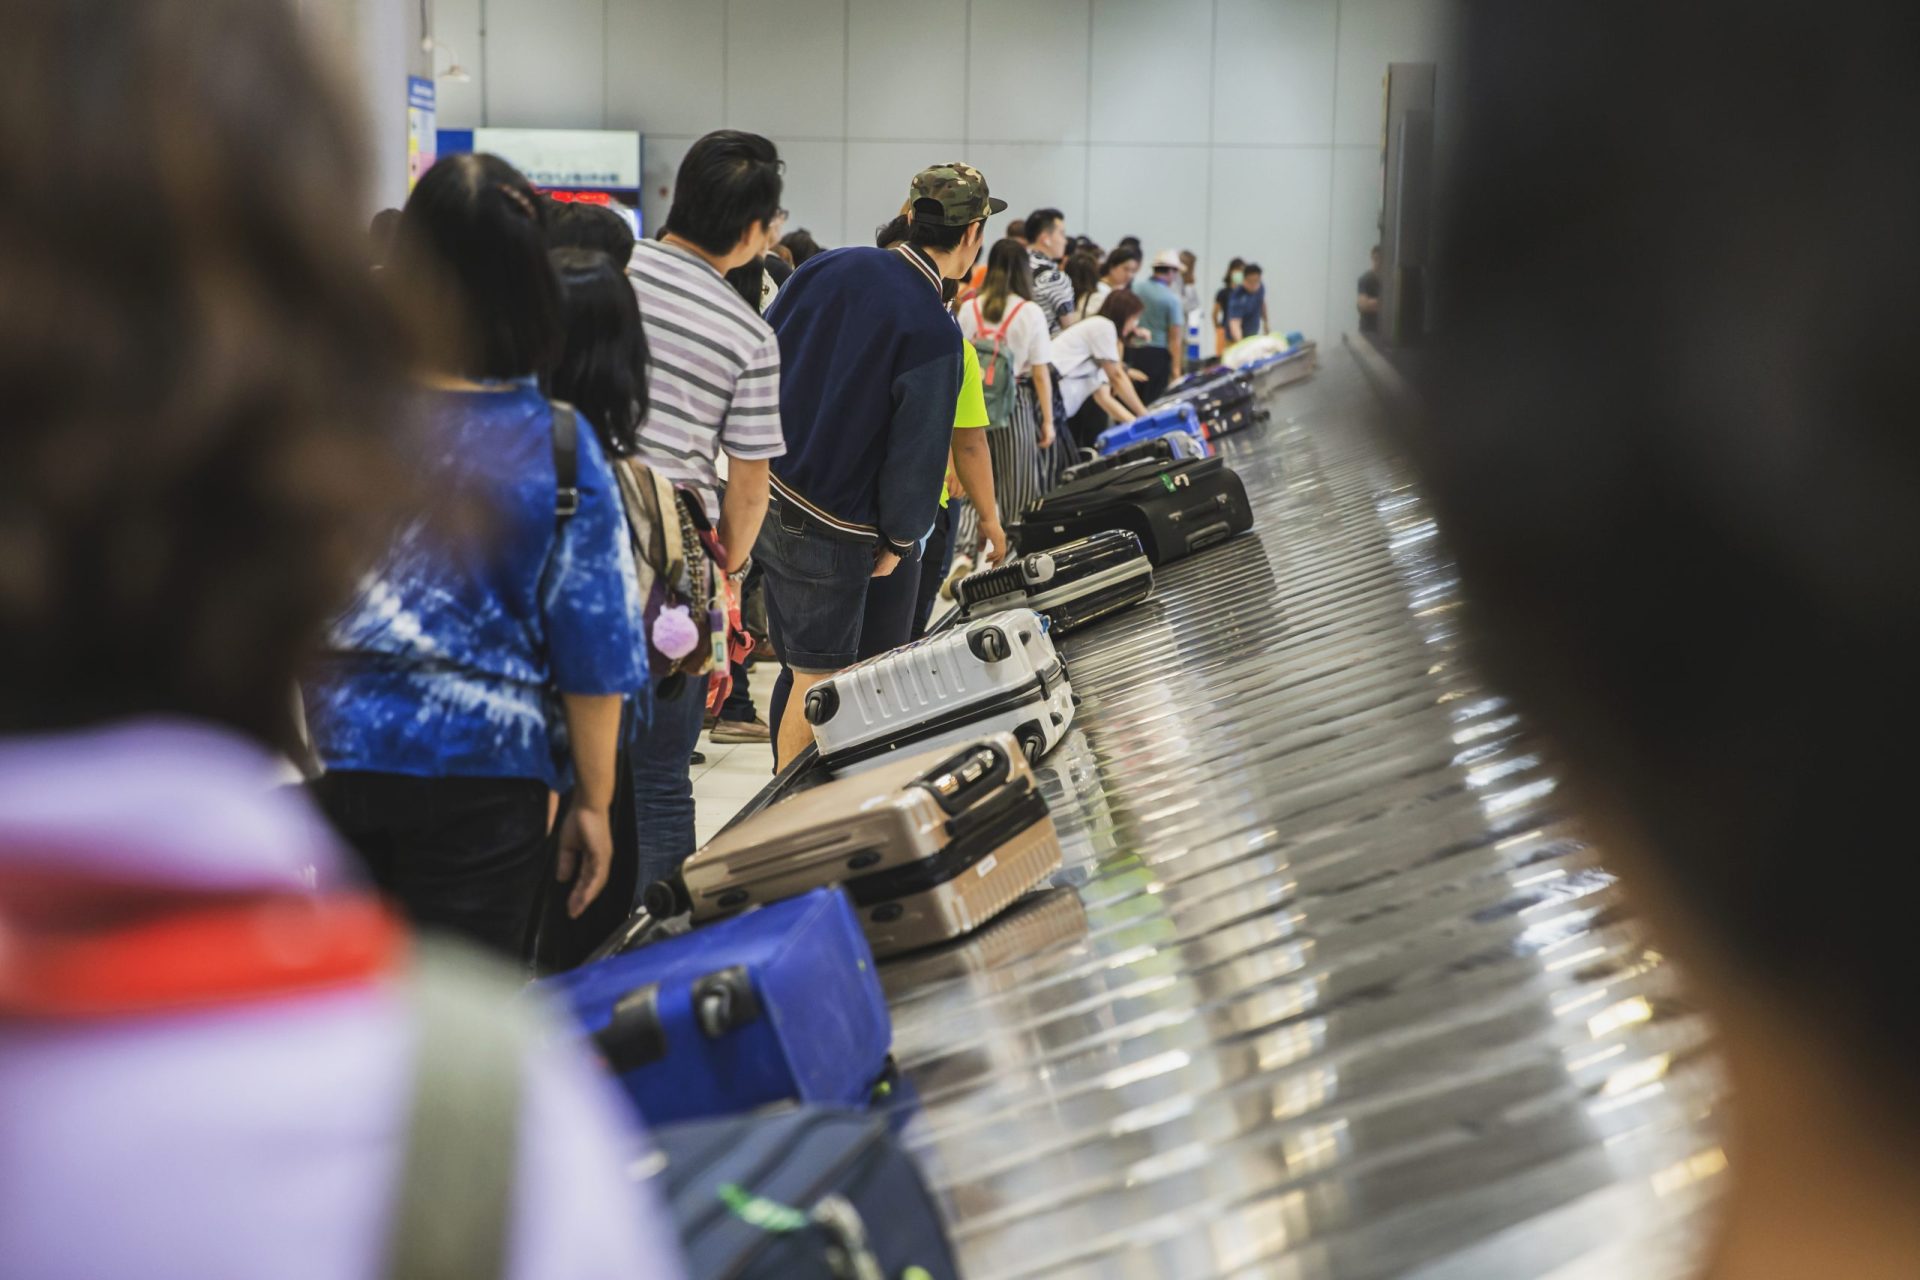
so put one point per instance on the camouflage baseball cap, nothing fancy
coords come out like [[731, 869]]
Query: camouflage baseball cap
[[960, 191]]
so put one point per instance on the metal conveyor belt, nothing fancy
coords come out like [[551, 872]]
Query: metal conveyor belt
[[1329, 986]]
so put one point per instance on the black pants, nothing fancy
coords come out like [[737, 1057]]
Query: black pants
[[1087, 424], [935, 561], [460, 854], [1157, 364]]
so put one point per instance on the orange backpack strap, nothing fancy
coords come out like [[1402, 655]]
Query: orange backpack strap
[[132, 955]]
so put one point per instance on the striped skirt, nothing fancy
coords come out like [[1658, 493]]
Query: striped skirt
[[1015, 448]]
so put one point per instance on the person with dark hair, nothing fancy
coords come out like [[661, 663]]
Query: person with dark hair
[[1083, 276], [801, 245], [590, 226], [1133, 243], [484, 663], [1247, 305], [1236, 272], [1367, 299], [380, 237], [871, 373], [214, 1039], [1046, 237], [1117, 271], [602, 369], [892, 232], [1009, 337], [1678, 470], [715, 391], [1017, 230], [1095, 382]]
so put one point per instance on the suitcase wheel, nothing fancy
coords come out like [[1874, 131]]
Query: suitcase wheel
[[1033, 743], [989, 644], [725, 1001], [822, 702]]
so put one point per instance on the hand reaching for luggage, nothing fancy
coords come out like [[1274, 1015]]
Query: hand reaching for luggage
[[586, 855], [993, 544]]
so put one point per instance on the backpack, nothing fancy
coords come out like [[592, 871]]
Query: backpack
[[997, 382], [677, 559]]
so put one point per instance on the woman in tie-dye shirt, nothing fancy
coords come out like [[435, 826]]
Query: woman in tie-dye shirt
[[484, 661]]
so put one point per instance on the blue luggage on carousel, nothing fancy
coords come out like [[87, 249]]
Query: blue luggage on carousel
[[779, 1004], [1151, 426], [812, 1194]]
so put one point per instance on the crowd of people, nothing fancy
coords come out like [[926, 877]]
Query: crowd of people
[[850, 429]]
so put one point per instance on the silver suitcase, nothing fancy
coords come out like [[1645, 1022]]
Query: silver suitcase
[[998, 675]]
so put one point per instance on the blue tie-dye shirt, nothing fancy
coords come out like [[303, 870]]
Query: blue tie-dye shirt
[[450, 660]]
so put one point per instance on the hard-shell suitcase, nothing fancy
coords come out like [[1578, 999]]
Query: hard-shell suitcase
[[1000, 674], [1149, 426], [726, 1019], [1224, 404], [1172, 447], [1071, 585], [1175, 509], [817, 1193], [929, 846]]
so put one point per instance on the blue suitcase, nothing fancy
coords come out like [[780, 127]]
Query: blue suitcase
[[1151, 426], [812, 1194], [779, 1004]]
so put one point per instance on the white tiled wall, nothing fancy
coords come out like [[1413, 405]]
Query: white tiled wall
[[1231, 127]]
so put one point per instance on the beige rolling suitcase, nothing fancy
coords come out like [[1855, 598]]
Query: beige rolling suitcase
[[929, 846]]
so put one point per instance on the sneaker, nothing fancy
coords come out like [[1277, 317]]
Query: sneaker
[[699, 757], [755, 730]]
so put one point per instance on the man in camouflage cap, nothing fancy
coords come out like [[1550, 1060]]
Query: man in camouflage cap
[[870, 374], [952, 195]]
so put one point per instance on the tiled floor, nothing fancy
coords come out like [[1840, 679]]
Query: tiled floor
[[733, 775]]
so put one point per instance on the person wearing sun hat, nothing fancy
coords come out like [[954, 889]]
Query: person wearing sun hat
[[870, 371], [1163, 325]]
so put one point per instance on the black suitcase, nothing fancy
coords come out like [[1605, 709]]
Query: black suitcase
[[1224, 403], [1072, 584], [1175, 509], [1167, 448], [812, 1194]]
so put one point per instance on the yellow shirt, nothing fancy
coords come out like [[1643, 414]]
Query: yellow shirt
[[971, 411]]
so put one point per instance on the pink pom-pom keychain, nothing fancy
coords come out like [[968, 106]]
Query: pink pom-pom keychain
[[674, 633]]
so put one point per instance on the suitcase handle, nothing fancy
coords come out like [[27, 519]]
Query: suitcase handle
[[1209, 535], [954, 782], [634, 1036]]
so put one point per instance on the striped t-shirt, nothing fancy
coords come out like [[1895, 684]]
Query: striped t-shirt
[[714, 381]]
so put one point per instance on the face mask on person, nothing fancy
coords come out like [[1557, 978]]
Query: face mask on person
[[1235, 278]]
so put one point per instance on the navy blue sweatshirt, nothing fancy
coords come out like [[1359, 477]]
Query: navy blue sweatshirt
[[869, 377]]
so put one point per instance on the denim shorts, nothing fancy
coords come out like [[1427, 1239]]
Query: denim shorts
[[816, 592]]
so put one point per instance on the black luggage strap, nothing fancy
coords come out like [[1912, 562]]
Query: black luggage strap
[[566, 463]]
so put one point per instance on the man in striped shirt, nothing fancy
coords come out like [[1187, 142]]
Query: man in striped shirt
[[714, 386]]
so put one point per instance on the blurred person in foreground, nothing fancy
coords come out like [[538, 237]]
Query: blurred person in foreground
[[484, 661], [1680, 472], [219, 1054]]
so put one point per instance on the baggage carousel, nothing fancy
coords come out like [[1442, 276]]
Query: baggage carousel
[[1330, 984]]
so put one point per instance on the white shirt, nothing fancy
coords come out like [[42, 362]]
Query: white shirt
[[1081, 354], [1025, 341]]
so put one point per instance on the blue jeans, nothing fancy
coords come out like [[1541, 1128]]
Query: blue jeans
[[660, 761]]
